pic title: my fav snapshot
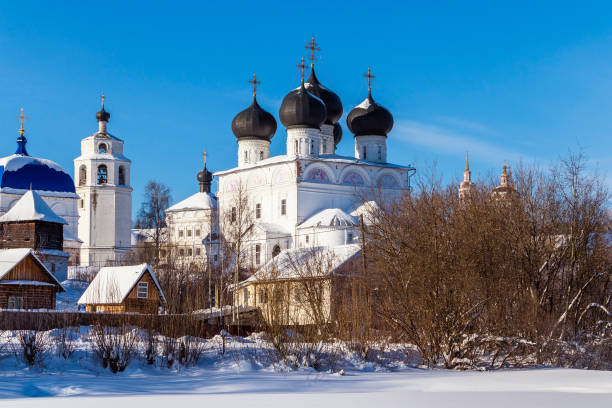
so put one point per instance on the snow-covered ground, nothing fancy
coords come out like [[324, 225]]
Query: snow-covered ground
[[245, 377], [245, 387]]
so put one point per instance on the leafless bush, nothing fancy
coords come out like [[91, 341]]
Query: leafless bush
[[64, 341], [115, 346], [33, 345]]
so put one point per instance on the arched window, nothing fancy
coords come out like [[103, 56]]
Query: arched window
[[365, 157], [296, 147], [102, 148], [246, 156], [82, 175], [276, 250], [121, 176], [260, 155], [102, 174]]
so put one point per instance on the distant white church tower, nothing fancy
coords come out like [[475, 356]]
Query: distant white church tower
[[102, 178]]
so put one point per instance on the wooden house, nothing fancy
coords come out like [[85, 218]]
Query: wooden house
[[25, 282], [124, 289], [31, 223]]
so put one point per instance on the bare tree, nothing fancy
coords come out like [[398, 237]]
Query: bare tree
[[152, 214]]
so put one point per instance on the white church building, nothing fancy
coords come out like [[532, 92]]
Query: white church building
[[308, 197], [105, 197]]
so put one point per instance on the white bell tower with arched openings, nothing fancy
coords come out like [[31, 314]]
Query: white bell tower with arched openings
[[102, 179]]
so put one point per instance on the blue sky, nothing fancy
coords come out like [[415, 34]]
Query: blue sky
[[504, 82]]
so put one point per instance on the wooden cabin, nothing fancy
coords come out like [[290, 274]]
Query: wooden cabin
[[124, 289], [31, 223], [25, 282]]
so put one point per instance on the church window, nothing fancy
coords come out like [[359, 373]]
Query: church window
[[121, 176], [379, 152], [307, 238], [246, 156], [296, 147], [284, 206], [257, 254], [143, 290], [365, 156], [233, 218], [181, 252], [260, 155], [312, 147], [190, 252], [102, 174], [188, 232], [82, 176], [81, 203], [276, 250], [349, 237], [102, 148], [198, 252], [180, 233], [215, 258], [257, 210], [197, 233], [163, 253]]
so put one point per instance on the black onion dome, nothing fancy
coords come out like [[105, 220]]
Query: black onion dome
[[369, 118], [254, 123], [331, 100], [337, 133], [300, 108], [103, 115], [205, 176]]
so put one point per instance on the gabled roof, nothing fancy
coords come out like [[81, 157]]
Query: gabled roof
[[300, 263], [9, 258], [198, 201], [31, 207], [113, 284], [331, 217]]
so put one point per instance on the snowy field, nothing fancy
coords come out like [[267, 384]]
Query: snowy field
[[249, 388], [243, 378]]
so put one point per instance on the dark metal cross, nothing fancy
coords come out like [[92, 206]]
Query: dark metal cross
[[313, 47], [302, 67], [21, 119], [205, 155], [370, 77], [254, 82]]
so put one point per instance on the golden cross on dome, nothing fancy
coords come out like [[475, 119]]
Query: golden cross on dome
[[103, 98], [369, 76], [506, 168], [255, 82], [313, 47], [302, 67], [205, 155], [22, 118]]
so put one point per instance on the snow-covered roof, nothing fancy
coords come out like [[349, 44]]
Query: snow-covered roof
[[327, 158], [198, 201], [20, 171], [367, 209], [113, 284], [31, 207], [300, 263], [9, 258], [272, 228], [331, 217]]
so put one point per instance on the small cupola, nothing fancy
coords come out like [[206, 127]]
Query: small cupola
[[102, 116], [205, 177]]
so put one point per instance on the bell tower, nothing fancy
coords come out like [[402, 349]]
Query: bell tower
[[102, 178]]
